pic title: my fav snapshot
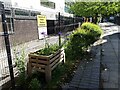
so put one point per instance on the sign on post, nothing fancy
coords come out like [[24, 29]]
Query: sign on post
[[42, 26], [41, 21]]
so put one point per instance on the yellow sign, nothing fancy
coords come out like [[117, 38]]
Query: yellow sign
[[41, 20]]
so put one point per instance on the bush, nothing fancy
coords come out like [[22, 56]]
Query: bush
[[81, 39], [75, 44], [93, 28]]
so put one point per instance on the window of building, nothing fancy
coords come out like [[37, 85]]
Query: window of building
[[22, 12], [48, 4], [35, 13]]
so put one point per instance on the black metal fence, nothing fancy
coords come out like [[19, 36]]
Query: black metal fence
[[64, 24], [7, 45], [19, 33]]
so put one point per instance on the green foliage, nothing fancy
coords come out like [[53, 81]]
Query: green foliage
[[48, 49], [74, 46], [34, 84], [81, 39], [91, 8], [20, 61], [20, 64], [51, 49], [93, 29]]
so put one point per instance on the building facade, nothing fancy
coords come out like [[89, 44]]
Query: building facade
[[21, 17]]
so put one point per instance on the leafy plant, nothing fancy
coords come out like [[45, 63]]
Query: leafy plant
[[20, 64], [51, 49], [74, 46], [48, 49], [93, 28], [34, 84], [81, 40]]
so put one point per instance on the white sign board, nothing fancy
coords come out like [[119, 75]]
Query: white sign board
[[42, 30]]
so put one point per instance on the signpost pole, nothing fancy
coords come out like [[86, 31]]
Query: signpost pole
[[59, 29]]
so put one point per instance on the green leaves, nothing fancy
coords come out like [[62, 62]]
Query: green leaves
[[81, 39], [20, 64], [48, 50], [20, 61], [91, 8]]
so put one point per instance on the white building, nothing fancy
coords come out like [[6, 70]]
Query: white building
[[50, 8], [29, 9]]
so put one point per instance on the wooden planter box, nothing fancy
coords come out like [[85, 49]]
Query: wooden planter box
[[45, 64]]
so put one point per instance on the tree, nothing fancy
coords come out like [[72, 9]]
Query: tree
[[86, 9]]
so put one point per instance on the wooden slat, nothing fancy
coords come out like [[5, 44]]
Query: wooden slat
[[55, 65], [38, 65], [52, 59], [57, 60], [59, 55], [58, 52], [42, 62], [32, 60], [39, 61], [54, 54], [39, 56]]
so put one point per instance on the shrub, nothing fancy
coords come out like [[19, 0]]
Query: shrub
[[75, 44], [81, 39], [93, 28]]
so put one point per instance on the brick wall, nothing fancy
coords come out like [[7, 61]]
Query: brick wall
[[24, 31]]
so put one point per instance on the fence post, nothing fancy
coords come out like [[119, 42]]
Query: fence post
[[59, 29], [7, 43]]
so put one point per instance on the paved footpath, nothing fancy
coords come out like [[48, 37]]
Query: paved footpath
[[88, 72], [110, 59], [88, 76]]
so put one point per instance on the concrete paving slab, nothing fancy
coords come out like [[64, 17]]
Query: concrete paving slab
[[110, 85], [110, 59]]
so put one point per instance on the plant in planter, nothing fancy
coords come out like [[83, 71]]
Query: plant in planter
[[46, 59]]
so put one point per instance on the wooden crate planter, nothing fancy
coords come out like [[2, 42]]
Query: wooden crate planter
[[45, 64]]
